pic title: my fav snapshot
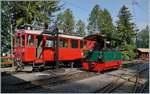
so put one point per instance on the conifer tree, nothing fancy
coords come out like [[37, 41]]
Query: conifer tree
[[125, 26], [65, 21], [95, 20], [80, 27]]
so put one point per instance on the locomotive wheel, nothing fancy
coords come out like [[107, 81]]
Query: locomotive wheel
[[120, 67]]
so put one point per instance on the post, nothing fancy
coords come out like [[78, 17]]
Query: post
[[11, 35], [57, 49]]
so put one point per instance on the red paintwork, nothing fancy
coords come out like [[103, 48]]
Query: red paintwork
[[70, 54], [89, 45], [101, 66], [28, 53]]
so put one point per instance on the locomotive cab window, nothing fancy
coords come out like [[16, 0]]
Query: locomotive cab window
[[74, 43], [63, 43], [30, 40], [84, 44], [49, 43]]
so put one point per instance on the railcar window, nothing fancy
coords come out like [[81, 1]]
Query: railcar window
[[74, 43], [18, 40], [63, 43], [49, 43], [30, 40], [81, 44]]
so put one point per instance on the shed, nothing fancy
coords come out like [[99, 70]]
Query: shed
[[143, 53]]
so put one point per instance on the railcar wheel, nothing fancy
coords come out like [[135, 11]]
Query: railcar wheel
[[19, 66]]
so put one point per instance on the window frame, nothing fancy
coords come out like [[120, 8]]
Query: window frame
[[17, 39], [74, 40], [52, 41], [64, 40], [28, 41]]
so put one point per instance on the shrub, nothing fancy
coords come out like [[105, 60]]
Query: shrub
[[130, 54]]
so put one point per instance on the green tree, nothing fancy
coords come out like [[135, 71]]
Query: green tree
[[65, 21], [126, 33], [143, 38], [80, 27], [125, 26], [95, 18], [17, 13], [26, 12], [107, 24]]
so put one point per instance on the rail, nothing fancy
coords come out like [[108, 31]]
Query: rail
[[121, 80]]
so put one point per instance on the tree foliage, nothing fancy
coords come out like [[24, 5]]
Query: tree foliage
[[95, 18], [17, 13], [125, 26], [80, 27], [126, 32], [143, 38], [130, 52], [100, 21], [65, 21], [107, 24], [27, 12]]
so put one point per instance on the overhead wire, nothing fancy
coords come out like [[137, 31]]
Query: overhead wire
[[77, 6], [137, 3]]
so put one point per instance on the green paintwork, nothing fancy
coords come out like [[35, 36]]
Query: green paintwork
[[111, 55], [106, 56], [92, 55]]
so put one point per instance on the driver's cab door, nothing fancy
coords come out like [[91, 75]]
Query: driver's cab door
[[39, 43]]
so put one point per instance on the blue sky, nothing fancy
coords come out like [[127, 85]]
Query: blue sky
[[82, 8]]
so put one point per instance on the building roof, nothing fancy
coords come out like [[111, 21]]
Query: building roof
[[143, 49]]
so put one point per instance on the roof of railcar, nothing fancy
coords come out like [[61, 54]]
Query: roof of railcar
[[98, 35], [94, 36], [40, 32]]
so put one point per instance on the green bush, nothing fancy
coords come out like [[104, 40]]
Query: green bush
[[130, 54], [6, 60]]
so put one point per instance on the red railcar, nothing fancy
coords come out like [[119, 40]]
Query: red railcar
[[34, 47]]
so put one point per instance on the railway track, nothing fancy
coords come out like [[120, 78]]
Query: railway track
[[137, 87], [125, 78], [53, 81]]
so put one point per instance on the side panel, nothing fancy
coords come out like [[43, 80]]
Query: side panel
[[48, 54], [29, 54], [101, 66], [69, 54]]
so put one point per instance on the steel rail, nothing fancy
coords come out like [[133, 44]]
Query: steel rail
[[115, 84]]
